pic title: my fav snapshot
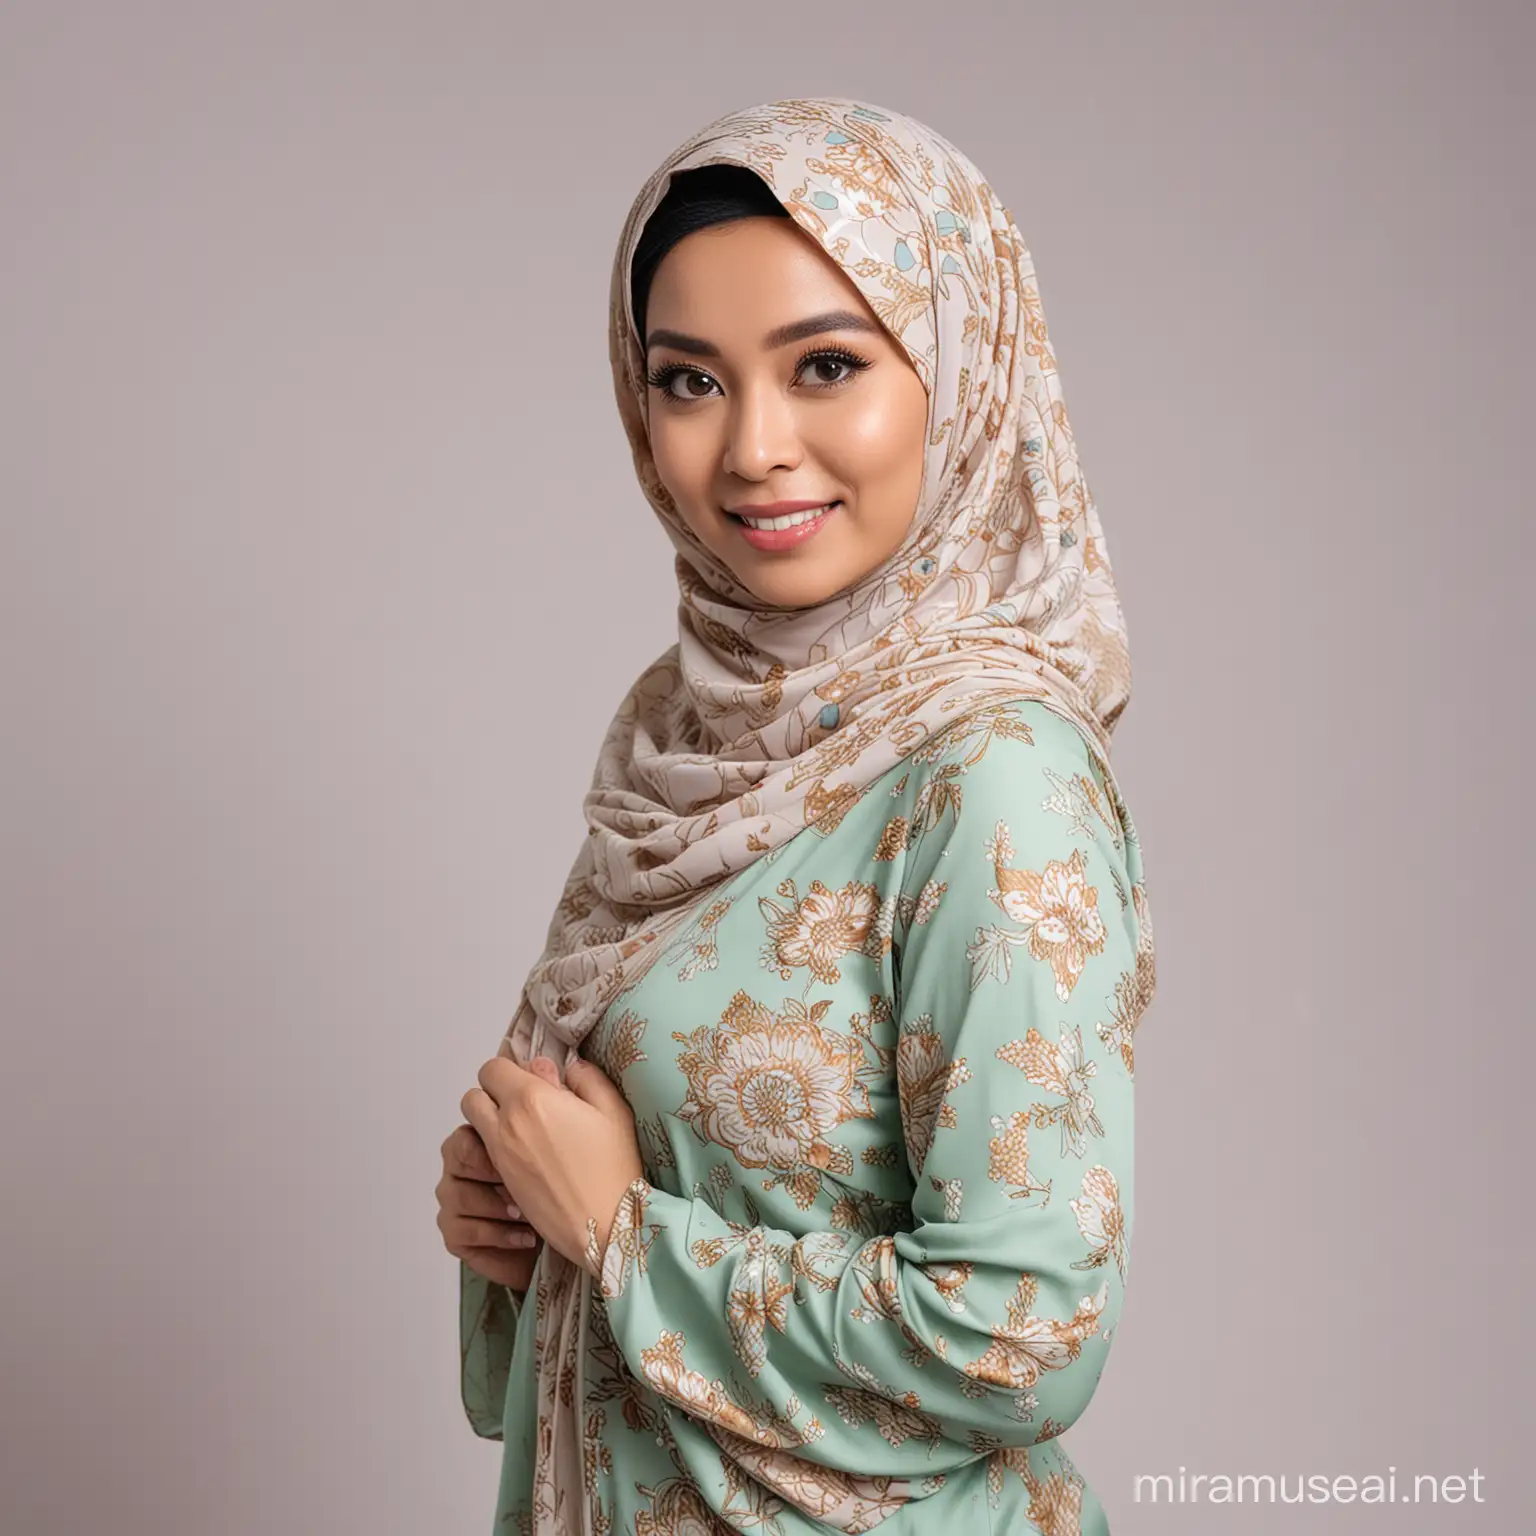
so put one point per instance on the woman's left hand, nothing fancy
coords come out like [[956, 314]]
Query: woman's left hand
[[566, 1154]]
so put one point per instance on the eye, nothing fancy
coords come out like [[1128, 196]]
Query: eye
[[668, 374], [830, 367]]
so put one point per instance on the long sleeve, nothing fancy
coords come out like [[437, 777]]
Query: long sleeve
[[1020, 961], [488, 1317]]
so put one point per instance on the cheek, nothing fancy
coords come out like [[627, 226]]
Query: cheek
[[687, 458], [665, 451], [683, 460], [877, 443]]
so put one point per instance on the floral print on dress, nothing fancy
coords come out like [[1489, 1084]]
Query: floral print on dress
[[1101, 1220], [772, 1087], [816, 931], [1062, 1069], [926, 1075], [1056, 910], [891, 1230], [905, 1060]]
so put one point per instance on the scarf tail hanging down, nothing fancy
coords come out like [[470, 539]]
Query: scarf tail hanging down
[[759, 722]]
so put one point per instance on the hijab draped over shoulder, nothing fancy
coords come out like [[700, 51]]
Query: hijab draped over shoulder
[[760, 723]]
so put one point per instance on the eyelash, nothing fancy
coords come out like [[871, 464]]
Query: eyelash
[[662, 377]]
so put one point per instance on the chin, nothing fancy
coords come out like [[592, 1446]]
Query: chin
[[791, 590]]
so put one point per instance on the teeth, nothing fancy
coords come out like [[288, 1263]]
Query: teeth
[[791, 520]]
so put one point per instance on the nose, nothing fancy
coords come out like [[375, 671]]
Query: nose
[[762, 434]]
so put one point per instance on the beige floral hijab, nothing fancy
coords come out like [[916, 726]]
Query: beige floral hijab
[[760, 723]]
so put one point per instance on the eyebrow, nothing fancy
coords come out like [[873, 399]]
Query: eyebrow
[[796, 330]]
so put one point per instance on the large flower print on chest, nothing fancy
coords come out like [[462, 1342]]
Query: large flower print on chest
[[773, 1086]]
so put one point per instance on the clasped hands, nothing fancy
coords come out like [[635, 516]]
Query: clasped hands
[[565, 1152]]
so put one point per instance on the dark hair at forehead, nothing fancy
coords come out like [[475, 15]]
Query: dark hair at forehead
[[696, 199]]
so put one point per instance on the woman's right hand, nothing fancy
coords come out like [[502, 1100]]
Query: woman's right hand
[[473, 1214]]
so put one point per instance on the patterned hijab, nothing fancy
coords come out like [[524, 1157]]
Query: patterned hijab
[[759, 723]]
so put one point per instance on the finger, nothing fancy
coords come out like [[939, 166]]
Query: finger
[[471, 1233], [508, 1084], [482, 1112], [542, 1067], [475, 1197], [592, 1084], [505, 1266], [500, 1076], [490, 1201], [465, 1157]]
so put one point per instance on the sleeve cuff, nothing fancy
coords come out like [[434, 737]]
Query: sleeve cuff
[[611, 1263], [488, 1317]]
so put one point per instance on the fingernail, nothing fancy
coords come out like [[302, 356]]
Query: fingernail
[[514, 1212], [522, 1239]]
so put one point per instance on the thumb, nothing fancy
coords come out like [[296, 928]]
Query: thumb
[[592, 1085]]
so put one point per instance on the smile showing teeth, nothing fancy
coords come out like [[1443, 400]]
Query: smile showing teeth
[[790, 520], [787, 532]]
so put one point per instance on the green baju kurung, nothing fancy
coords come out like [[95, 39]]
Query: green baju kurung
[[882, 1082]]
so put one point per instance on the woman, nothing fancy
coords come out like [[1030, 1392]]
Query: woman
[[812, 1133]]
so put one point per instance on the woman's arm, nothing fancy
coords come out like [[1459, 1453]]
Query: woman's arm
[[987, 1324]]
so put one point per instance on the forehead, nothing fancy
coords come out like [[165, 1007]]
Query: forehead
[[749, 274]]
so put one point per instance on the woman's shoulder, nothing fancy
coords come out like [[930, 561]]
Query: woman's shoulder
[[1005, 751], [1019, 763]]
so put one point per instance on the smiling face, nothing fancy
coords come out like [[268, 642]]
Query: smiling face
[[771, 383]]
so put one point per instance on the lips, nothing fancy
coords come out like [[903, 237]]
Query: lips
[[784, 524]]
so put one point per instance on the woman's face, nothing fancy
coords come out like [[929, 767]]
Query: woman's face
[[774, 392]]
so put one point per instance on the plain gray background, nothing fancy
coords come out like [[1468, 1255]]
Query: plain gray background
[[323, 568]]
